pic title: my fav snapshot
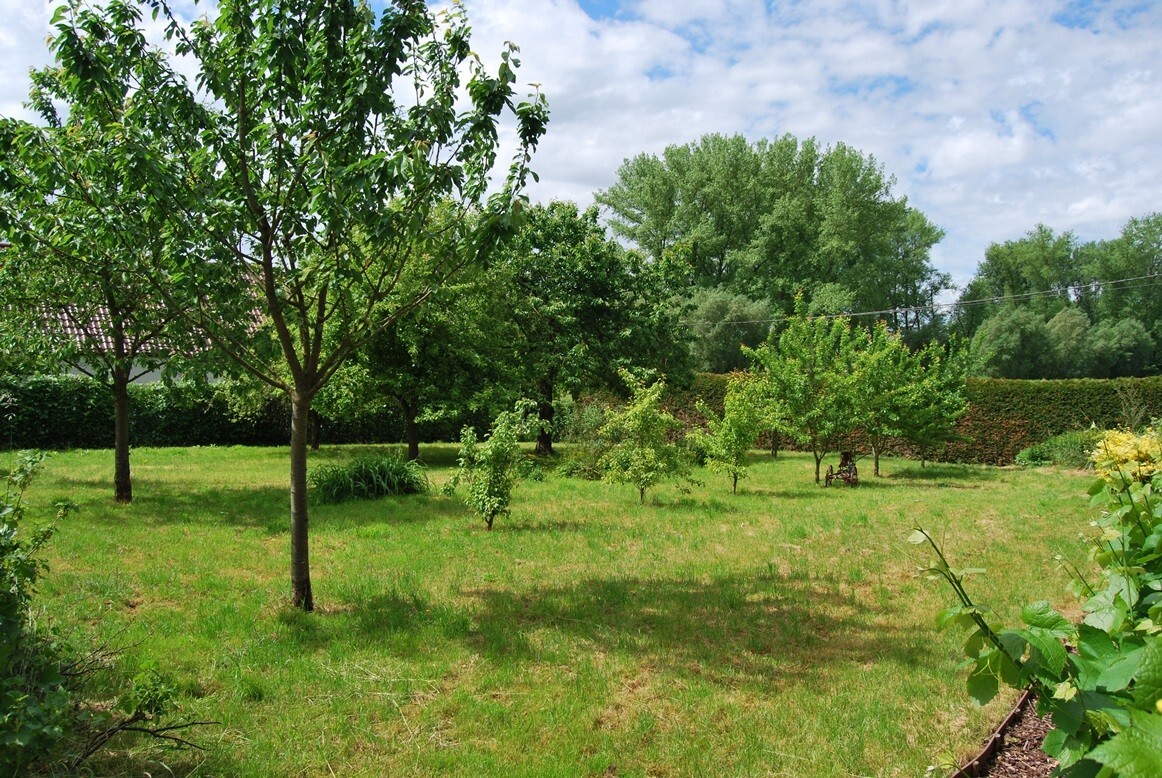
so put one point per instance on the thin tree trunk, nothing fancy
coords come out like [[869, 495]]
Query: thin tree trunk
[[641, 493], [316, 429], [775, 441], [122, 478], [300, 554], [875, 460], [734, 486], [413, 431], [545, 412], [818, 462]]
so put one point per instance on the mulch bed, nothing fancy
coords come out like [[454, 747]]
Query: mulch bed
[[1014, 750], [1021, 755]]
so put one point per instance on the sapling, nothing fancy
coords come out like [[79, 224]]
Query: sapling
[[642, 451], [733, 435], [491, 469]]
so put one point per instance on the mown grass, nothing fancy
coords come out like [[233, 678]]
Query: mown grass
[[778, 632]]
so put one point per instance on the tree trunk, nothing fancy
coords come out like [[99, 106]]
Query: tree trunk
[[775, 441], [734, 486], [122, 478], [641, 493], [300, 554], [875, 460], [316, 429], [545, 412], [818, 462], [413, 431]]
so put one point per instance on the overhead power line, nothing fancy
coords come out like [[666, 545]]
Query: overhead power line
[[1119, 284]]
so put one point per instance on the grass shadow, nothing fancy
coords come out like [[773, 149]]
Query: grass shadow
[[758, 631]]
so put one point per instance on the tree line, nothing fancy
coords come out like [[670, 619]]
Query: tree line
[[1048, 305]]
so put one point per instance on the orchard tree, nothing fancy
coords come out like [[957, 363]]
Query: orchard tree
[[582, 307], [641, 448], [938, 399], [732, 436], [808, 373], [321, 142], [76, 284], [885, 383]]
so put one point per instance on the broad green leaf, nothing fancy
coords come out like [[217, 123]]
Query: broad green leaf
[[1093, 643], [1135, 752], [1041, 614], [1063, 747], [1119, 674], [1148, 686], [1048, 646], [982, 685], [918, 537]]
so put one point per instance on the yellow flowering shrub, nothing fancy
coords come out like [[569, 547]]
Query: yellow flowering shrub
[[1122, 455]]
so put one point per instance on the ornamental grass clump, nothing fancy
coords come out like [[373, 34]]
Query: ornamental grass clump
[[366, 478], [1123, 456]]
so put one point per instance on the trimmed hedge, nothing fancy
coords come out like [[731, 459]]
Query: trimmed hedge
[[70, 411], [1005, 415], [59, 412]]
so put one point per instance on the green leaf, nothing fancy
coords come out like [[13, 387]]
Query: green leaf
[[1119, 674], [982, 684], [1135, 752], [1148, 688], [918, 537], [1063, 747], [1041, 614], [1093, 643], [1048, 646]]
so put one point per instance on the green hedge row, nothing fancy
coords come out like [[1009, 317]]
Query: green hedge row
[[58, 412], [1003, 417], [61, 412]]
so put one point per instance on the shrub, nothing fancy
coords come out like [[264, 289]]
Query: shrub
[[35, 706], [367, 477], [1122, 455], [1101, 680], [1069, 449]]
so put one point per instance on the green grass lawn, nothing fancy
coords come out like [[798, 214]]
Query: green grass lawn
[[782, 631]]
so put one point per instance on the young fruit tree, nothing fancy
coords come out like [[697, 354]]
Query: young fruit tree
[[492, 468], [326, 140], [641, 450], [885, 382], [808, 378], [733, 435]]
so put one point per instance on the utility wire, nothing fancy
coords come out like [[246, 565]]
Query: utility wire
[[1120, 284]]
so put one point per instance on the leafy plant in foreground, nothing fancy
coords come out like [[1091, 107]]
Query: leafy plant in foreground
[[367, 477], [1101, 680]]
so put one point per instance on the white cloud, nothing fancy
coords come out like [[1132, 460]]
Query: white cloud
[[992, 116]]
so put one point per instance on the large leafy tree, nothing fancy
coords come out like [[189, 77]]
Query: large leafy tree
[[326, 139], [808, 377], [771, 218], [76, 283], [582, 307]]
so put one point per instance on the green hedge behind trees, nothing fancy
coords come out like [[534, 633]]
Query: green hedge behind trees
[[1003, 417], [69, 411], [58, 412]]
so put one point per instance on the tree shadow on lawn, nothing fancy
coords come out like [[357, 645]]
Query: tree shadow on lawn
[[945, 472], [263, 507], [756, 631]]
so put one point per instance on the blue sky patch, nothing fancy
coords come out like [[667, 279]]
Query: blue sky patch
[[600, 9]]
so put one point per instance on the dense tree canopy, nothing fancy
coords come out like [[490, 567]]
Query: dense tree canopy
[[771, 218], [582, 307], [1050, 306]]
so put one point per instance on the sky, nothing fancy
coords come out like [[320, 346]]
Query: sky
[[991, 116]]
